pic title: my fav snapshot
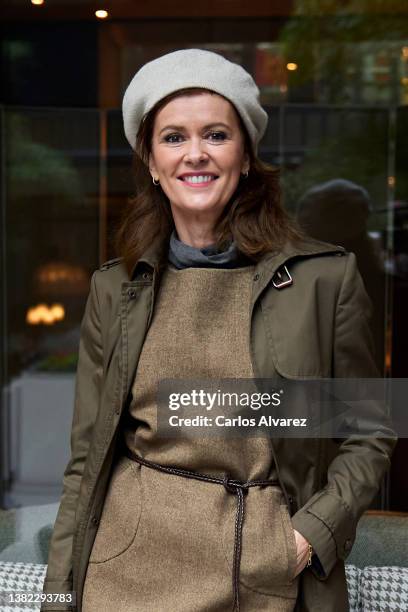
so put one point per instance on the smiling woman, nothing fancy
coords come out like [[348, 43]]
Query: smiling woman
[[198, 167], [197, 293], [195, 130]]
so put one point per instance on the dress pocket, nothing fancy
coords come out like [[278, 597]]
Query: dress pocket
[[268, 553], [121, 512]]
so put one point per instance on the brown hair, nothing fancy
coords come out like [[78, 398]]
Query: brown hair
[[255, 218]]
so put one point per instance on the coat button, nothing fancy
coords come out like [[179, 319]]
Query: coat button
[[146, 276], [132, 293], [256, 277], [94, 520], [290, 500], [347, 545]]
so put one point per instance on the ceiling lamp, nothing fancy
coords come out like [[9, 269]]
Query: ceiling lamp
[[101, 14], [37, 2]]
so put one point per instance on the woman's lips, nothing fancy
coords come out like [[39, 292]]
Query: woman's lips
[[198, 185]]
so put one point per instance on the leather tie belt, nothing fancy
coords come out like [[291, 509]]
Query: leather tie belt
[[232, 486]]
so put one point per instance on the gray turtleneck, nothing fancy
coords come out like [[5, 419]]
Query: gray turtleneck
[[182, 255]]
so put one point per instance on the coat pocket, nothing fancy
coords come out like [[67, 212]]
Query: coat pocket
[[268, 553], [121, 512]]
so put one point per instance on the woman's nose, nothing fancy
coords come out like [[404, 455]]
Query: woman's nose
[[195, 150]]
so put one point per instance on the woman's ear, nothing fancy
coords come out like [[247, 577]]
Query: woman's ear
[[245, 164], [152, 167]]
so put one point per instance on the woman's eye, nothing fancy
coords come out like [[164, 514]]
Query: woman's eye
[[222, 135], [170, 136]]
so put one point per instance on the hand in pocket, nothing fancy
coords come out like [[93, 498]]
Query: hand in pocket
[[302, 546]]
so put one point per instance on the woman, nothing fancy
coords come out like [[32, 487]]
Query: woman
[[213, 282]]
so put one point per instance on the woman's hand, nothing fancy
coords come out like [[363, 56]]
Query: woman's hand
[[302, 546]]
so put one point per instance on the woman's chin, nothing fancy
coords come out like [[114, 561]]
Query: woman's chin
[[198, 206]]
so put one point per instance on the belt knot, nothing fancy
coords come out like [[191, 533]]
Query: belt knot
[[233, 486]]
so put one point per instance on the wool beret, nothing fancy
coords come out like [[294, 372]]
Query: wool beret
[[193, 68]]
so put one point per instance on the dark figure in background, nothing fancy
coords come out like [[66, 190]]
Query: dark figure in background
[[337, 211]]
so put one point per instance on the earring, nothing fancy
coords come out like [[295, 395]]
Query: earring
[[245, 174], [154, 182]]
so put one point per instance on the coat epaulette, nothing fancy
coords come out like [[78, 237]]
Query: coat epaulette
[[111, 262]]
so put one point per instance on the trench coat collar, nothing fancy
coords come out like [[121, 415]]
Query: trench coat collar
[[155, 256]]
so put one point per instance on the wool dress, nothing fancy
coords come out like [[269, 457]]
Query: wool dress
[[165, 543]]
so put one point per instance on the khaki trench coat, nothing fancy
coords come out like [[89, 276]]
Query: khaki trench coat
[[317, 327]]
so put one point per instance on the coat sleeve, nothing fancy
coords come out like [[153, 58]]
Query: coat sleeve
[[329, 519], [89, 373]]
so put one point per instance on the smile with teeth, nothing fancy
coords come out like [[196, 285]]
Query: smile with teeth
[[195, 180]]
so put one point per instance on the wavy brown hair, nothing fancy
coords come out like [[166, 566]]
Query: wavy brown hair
[[255, 218]]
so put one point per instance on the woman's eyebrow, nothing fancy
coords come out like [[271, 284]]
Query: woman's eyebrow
[[205, 127]]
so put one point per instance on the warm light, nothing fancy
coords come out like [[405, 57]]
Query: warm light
[[292, 66], [405, 51], [58, 279], [57, 312], [37, 2], [101, 14], [391, 181], [44, 314]]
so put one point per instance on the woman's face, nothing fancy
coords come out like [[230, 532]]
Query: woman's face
[[197, 135]]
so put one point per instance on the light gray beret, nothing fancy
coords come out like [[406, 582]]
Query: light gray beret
[[193, 68]]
